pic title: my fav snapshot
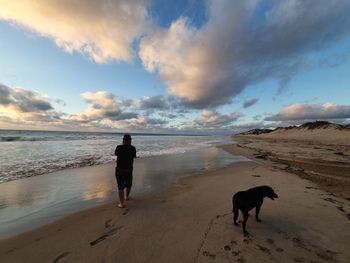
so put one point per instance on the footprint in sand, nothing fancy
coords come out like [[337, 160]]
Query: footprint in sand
[[233, 242], [297, 242], [247, 240], [264, 249], [347, 215], [327, 255], [256, 175], [270, 241], [311, 187], [299, 260], [108, 223], [341, 208], [284, 234], [279, 249], [332, 200], [209, 255], [111, 232], [10, 251], [227, 248], [126, 211], [61, 256]]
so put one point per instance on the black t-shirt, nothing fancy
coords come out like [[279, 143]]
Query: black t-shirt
[[125, 156]]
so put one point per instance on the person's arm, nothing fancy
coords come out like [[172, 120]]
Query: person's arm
[[135, 153], [116, 151]]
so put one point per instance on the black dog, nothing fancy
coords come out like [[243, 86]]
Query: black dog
[[247, 200]]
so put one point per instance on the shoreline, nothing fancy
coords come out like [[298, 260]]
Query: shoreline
[[36, 201], [192, 222]]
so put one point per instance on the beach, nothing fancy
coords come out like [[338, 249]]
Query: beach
[[191, 221], [153, 131]]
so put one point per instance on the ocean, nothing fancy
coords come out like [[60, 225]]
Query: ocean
[[31, 153]]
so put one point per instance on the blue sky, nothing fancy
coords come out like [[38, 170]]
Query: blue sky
[[182, 67]]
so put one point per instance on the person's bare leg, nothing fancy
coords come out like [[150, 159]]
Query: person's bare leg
[[121, 198], [128, 189]]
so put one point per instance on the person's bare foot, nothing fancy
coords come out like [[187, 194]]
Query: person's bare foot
[[120, 205]]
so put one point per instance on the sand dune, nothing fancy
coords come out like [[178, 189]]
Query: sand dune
[[314, 132], [317, 151]]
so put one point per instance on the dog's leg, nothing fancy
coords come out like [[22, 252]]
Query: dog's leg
[[235, 214], [245, 219], [257, 210], [235, 210]]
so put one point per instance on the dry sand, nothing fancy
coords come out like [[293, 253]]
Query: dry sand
[[324, 160], [192, 222]]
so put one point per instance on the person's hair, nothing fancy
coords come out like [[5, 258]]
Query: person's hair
[[127, 137]]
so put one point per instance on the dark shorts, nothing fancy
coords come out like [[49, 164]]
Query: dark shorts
[[124, 178]]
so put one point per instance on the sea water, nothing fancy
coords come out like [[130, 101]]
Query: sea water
[[31, 153]]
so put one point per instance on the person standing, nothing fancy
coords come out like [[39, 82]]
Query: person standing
[[125, 159]]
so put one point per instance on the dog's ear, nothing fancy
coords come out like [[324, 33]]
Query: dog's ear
[[265, 189], [268, 192]]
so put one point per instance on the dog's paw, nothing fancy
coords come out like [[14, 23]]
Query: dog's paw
[[246, 233], [236, 224], [258, 220]]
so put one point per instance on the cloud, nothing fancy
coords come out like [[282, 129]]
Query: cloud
[[5, 95], [146, 121], [164, 106], [311, 112], [19, 100], [242, 43], [29, 101], [248, 103], [257, 117], [155, 102], [215, 119], [170, 115], [104, 30], [102, 105], [21, 108], [26, 109]]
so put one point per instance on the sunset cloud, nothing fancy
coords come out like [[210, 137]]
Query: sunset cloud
[[21, 107], [20, 100], [102, 105], [238, 44], [215, 119], [210, 65], [104, 30], [311, 112]]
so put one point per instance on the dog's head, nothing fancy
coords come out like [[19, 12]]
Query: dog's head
[[268, 192]]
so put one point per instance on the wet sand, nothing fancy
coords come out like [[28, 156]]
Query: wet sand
[[32, 202], [192, 222]]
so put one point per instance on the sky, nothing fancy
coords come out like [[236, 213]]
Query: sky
[[205, 66]]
